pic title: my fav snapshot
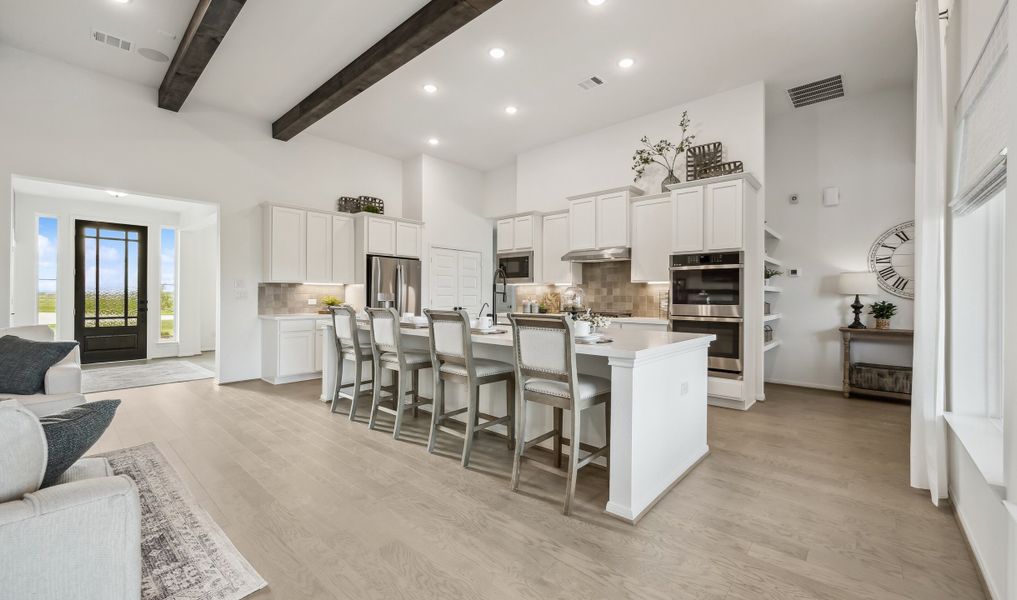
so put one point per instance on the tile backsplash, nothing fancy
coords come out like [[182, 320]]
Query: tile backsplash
[[608, 288], [289, 298]]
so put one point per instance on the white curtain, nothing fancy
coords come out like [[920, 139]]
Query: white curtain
[[928, 428]]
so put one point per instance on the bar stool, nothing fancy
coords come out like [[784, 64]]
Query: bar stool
[[452, 360], [386, 347], [544, 348], [349, 346]]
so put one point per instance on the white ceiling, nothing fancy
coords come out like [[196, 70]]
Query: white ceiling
[[277, 52], [81, 193]]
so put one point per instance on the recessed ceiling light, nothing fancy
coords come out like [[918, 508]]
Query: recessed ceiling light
[[511, 110], [433, 141], [430, 88], [122, 1], [626, 63], [115, 193], [594, 2], [497, 53]]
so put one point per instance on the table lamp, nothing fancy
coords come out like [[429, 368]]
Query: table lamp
[[858, 284]]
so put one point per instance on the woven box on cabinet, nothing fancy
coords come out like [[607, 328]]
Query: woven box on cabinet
[[883, 378]]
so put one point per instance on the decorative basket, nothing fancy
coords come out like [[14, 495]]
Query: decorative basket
[[882, 378], [372, 205], [767, 333], [347, 204], [698, 158], [728, 168]]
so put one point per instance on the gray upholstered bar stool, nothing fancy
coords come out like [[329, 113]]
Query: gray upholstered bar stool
[[544, 348], [452, 360], [386, 347], [350, 345]]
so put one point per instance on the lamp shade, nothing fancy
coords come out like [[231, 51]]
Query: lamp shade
[[860, 283]]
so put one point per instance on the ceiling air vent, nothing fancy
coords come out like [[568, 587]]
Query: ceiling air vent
[[817, 91], [112, 40], [592, 82]]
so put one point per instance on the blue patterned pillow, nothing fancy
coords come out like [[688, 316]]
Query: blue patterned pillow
[[23, 363], [69, 434]]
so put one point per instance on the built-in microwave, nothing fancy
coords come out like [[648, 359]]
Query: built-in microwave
[[518, 266]]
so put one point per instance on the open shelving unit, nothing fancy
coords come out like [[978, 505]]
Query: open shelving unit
[[771, 238], [771, 317], [771, 345]]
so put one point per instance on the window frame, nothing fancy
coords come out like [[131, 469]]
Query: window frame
[[175, 338]]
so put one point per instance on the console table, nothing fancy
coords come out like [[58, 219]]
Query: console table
[[876, 335]]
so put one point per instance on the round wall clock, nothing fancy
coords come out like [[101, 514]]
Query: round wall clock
[[892, 258]]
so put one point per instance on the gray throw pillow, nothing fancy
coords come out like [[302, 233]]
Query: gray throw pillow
[[69, 434], [23, 363]]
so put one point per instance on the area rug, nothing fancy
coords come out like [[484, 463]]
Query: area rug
[[184, 553], [122, 377]]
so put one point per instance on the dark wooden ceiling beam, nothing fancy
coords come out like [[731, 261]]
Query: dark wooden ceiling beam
[[434, 22], [208, 26]]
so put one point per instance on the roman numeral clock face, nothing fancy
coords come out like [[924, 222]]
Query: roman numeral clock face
[[892, 257]]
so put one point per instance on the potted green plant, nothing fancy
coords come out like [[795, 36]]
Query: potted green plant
[[330, 301], [883, 311], [769, 273], [664, 153]]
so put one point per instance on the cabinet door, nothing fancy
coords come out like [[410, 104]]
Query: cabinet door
[[343, 262], [613, 220], [688, 220], [583, 224], [723, 216], [288, 250], [319, 248], [506, 235], [407, 239], [523, 233], [296, 352], [319, 339], [651, 240], [381, 236], [555, 244]]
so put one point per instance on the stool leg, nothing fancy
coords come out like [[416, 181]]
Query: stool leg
[[358, 378], [416, 391], [557, 437], [570, 486], [338, 382], [376, 394], [400, 404], [510, 407], [471, 423], [517, 458], [437, 410]]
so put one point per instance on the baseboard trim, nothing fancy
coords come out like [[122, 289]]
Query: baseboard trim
[[813, 386], [973, 552]]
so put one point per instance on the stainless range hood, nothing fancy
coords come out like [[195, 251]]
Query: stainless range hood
[[598, 256]]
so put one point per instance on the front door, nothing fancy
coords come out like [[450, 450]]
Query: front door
[[110, 299]]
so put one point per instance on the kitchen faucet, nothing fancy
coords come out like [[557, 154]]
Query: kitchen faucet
[[481, 314], [499, 274]]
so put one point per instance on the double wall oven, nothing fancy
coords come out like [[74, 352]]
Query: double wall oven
[[707, 296]]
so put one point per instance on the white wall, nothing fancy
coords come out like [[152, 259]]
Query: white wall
[[452, 205], [602, 159], [500, 191], [67, 124], [863, 145]]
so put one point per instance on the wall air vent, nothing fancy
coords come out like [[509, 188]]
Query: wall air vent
[[817, 91], [112, 40], [592, 82]]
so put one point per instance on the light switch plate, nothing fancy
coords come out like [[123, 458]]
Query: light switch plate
[[312, 301]]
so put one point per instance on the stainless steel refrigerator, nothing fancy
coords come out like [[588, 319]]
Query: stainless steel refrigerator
[[394, 282]]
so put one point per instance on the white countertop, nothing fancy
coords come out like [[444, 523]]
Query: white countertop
[[625, 344], [294, 317]]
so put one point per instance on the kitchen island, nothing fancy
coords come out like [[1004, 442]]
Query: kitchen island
[[658, 405]]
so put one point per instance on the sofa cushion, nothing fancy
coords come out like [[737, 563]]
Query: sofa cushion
[[69, 434], [22, 451], [23, 363]]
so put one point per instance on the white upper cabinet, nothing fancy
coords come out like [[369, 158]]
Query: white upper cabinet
[[723, 216], [651, 239], [687, 225], [613, 220], [319, 248], [381, 236], [517, 233], [583, 224], [407, 239], [555, 245], [710, 217], [506, 234], [285, 251], [342, 249]]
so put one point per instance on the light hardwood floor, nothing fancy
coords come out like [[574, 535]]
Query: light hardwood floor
[[804, 496]]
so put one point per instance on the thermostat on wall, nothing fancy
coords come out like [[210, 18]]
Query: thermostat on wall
[[794, 272]]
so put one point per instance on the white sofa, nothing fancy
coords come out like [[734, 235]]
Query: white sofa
[[79, 538], [63, 380]]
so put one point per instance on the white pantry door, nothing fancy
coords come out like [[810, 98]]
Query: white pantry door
[[456, 279]]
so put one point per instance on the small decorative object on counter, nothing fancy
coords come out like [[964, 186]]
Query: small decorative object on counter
[[598, 321], [327, 302], [664, 153], [573, 299], [883, 311]]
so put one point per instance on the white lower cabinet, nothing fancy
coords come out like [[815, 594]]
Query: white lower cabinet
[[291, 348]]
